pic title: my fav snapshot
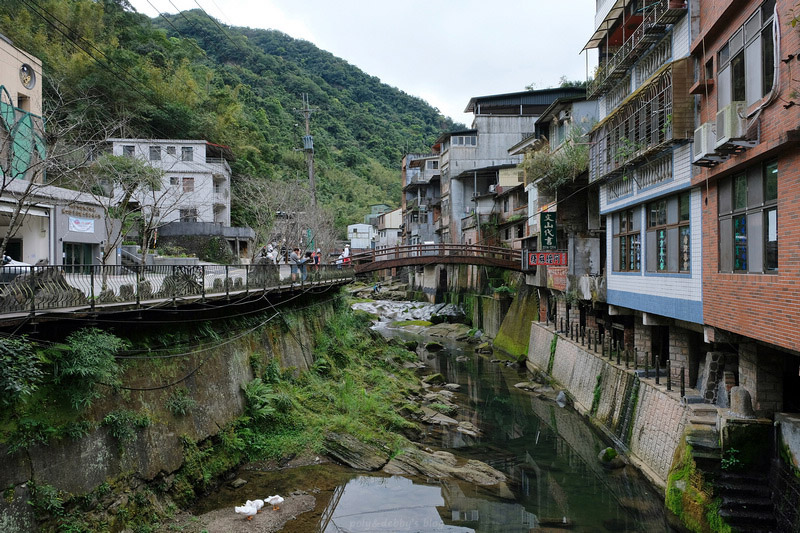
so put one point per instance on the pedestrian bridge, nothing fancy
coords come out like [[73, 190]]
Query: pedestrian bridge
[[430, 254]]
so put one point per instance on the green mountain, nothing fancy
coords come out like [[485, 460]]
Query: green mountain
[[189, 76]]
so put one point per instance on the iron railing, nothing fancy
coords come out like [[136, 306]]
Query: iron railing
[[653, 26], [31, 289], [441, 249]]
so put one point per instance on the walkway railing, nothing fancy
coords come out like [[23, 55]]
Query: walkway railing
[[432, 251], [28, 289]]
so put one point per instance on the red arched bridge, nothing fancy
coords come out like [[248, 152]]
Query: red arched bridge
[[429, 254]]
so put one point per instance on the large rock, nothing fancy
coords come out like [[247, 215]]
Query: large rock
[[741, 405], [354, 453], [442, 465]]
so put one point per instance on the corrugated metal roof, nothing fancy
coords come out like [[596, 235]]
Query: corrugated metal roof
[[542, 97]]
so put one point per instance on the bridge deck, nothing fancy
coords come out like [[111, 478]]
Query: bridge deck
[[429, 254]]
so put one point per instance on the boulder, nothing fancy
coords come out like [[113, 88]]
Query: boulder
[[354, 453], [411, 346], [741, 405], [609, 458], [434, 379], [442, 465], [484, 348], [434, 346]]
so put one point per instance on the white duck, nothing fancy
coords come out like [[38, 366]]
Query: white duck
[[247, 510], [258, 504], [275, 501]]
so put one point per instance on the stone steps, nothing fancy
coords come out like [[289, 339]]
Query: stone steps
[[746, 502]]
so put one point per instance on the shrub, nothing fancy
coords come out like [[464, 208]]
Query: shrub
[[122, 424], [20, 372], [179, 402]]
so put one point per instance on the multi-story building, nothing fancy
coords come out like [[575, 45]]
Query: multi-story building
[[640, 155], [471, 160], [44, 223], [388, 233], [556, 183], [421, 200], [747, 157], [194, 201]]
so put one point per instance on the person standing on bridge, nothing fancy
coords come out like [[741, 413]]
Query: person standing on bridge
[[346, 255], [297, 264]]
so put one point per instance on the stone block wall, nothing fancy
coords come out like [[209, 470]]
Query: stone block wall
[[762, 375], [679, 346], [642, 340], [648, 419]]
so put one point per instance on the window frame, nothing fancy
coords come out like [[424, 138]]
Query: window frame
[[154, 153], [745, 203], [187, 153], [661, 222], [187, 184], [627, 236]]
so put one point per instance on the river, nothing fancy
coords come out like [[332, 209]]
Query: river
[[549, 453]]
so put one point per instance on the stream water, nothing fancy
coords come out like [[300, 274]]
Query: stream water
[[549, 453]]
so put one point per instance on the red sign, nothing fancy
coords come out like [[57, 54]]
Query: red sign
[[547, 258]]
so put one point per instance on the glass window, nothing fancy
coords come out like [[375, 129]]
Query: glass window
[[628, 242], [187, 153], [188, 184], [170, 150], [740, 243], [737, 77], [771, 239], [174, 180], [740, 192], [669, 236], [771, 181], [155, 153], [128, 151]]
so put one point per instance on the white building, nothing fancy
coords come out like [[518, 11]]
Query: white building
[[361, 236], [196, 174], [389, 234]]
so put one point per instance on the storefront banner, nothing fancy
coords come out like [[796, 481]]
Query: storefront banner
[[81, 225]]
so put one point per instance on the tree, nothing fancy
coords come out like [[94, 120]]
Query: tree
[[282, 212]]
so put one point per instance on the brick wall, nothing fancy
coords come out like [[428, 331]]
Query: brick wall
[[760, 306]]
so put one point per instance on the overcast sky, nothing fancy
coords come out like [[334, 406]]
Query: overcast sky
[[443, 51]]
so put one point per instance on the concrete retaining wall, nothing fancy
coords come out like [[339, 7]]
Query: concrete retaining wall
[[641, 416]]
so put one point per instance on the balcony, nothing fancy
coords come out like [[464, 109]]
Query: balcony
[[655, 21], [655, 116], [218, 165]]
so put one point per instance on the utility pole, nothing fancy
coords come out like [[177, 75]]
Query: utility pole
[[308, 148]]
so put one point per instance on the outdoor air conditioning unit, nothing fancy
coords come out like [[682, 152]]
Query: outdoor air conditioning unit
[[731, 126], [492, 188], [703, 146]]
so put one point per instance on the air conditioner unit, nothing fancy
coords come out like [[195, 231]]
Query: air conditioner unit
[[492, 188], [731, 126], [703, 146], [563, 115]]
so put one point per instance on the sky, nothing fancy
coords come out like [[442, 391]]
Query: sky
[[444, 52]]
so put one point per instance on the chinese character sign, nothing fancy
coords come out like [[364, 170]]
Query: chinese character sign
[[547, 237], [547, 258]]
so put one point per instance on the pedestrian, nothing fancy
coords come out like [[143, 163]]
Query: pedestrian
[[296, 261], [346, 255], [283, 252], [317, 259]]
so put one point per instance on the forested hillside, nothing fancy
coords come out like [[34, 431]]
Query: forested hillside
[[188, 76]]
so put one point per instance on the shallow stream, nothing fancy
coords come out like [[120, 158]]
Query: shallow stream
[[549, 453]]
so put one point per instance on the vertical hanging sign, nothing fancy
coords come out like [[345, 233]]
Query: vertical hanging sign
[[547, 229]]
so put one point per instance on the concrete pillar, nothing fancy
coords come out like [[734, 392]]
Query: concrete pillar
[[642, 339]]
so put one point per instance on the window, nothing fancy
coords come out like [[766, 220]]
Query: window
[[187, 153], [189, 214], [746, 70], [627, 241], [188, 184], [174, 180], [433, 165], [669, 237], [170, 150], [127, 150], [468, 140], [748, 220], [155, 153]]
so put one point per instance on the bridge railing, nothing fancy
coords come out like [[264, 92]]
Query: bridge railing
[[433, 250], [40, 288]]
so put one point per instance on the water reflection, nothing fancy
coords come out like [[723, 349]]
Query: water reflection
[[555, 482], [375, 504]]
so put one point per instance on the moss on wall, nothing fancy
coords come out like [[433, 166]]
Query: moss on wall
[[515, 331]]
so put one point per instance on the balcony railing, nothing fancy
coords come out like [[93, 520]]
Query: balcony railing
[[98, 288], [657, 115], [654, 25]]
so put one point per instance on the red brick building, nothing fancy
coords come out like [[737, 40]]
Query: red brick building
[[746, 154]]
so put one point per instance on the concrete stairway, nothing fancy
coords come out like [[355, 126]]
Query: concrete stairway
[[746, 503]]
